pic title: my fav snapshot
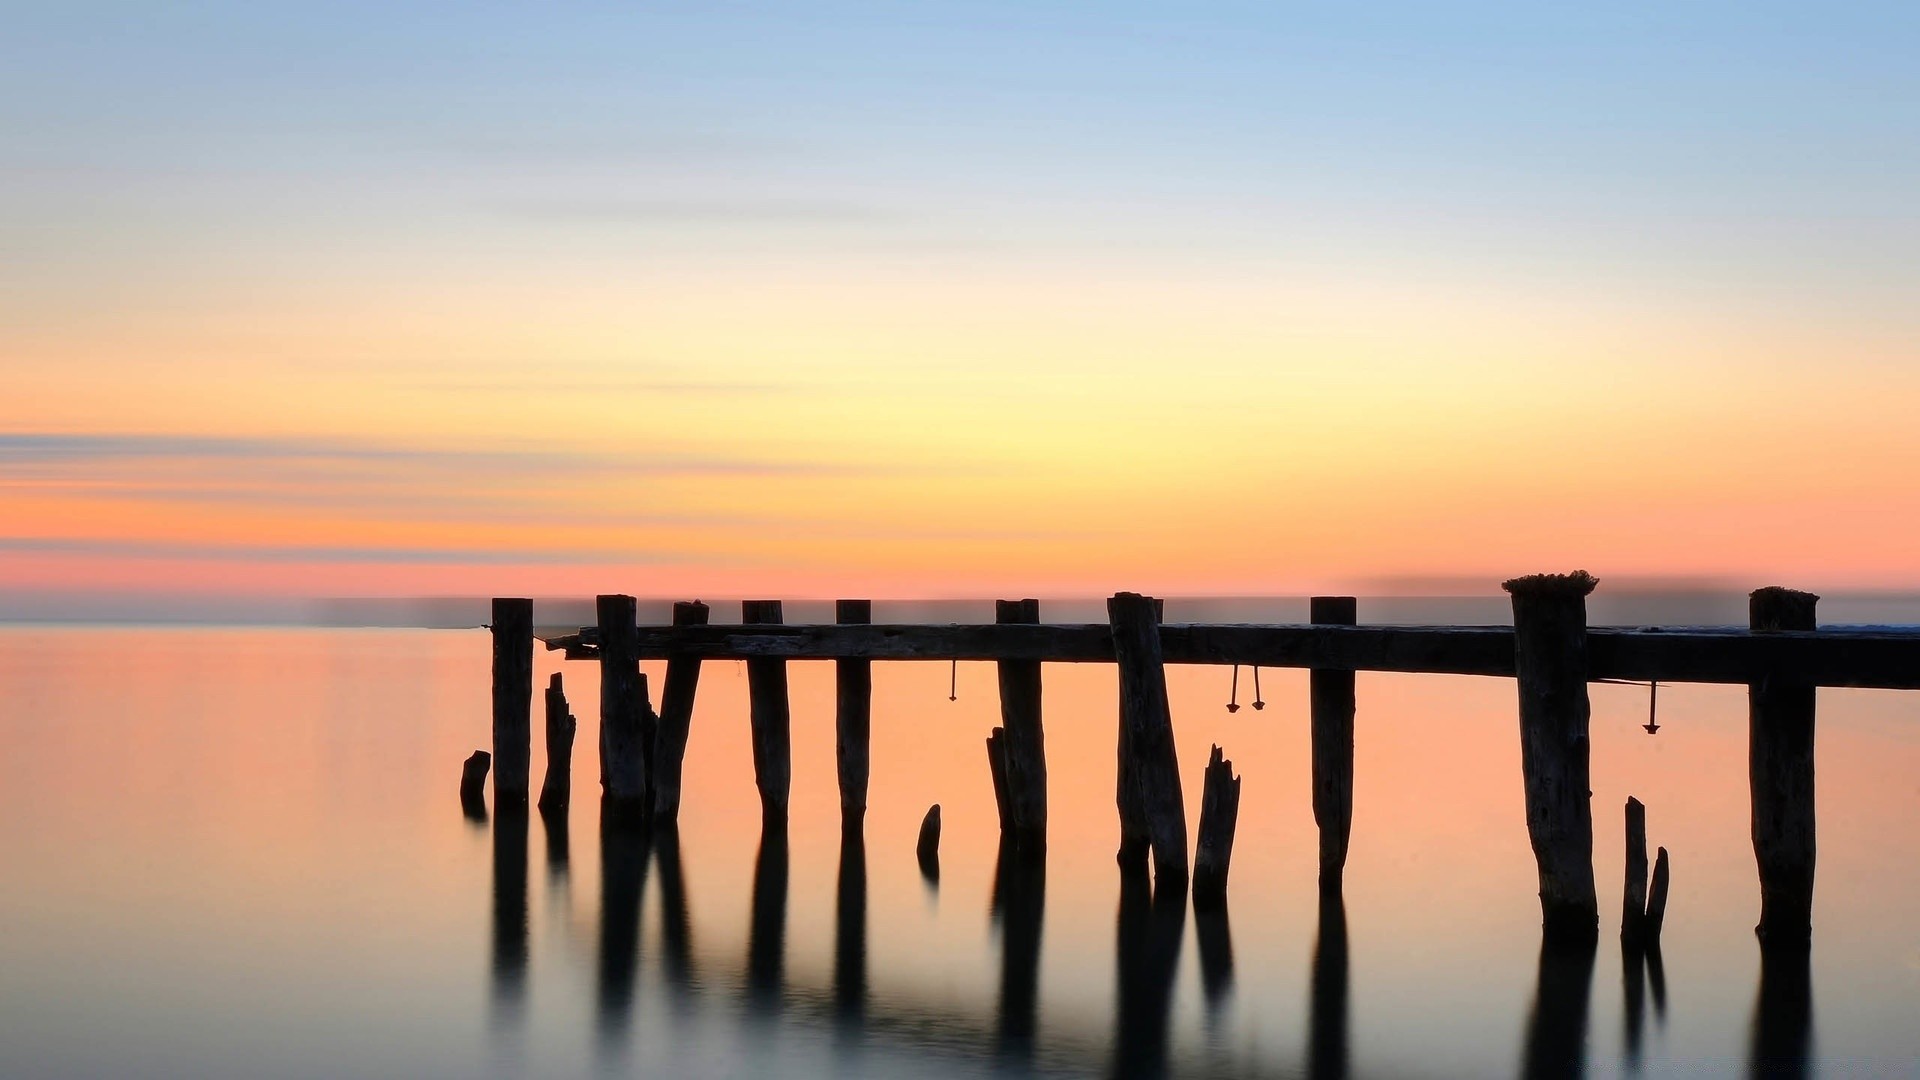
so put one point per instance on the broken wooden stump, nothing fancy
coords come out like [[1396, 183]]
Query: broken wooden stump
[[473, 784], [1550, 661], [1147, 748], [1330, 692], [1213, 851], [772, 723], [556, 792], [928, 849], [1780, 711], [512, 629], [676, 718], [1657, 901], [1633, 903], [852, 717], [1023, 756]]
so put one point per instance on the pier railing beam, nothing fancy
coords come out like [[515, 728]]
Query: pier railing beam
[[1780, 773], [853, 718], [1023, 750], [676, 718], [772, 723], [512, 699], [624, 733], [1330, 691], [1147, 747], [1550, 660]]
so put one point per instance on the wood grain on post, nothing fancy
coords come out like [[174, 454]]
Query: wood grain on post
[[623, 709], [772, 723], [512, 699], [1633, 902], [676, 718], [1024, 747], [557, 790], [853, 717], [1213, 851], [1780, 774], [1330, 691], [1147, 745], [1550, 662]]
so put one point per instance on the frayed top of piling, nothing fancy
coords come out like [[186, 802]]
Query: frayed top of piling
[[1779, 608], [1578, 583]]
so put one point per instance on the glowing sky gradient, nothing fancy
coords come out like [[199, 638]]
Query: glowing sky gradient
[[932, 299]]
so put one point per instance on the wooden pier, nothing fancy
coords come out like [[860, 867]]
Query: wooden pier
[[1550, 651]]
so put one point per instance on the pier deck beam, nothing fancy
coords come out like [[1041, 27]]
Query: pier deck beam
[[772, 722], [1550, 661], [1330, 691], [1780, 774]]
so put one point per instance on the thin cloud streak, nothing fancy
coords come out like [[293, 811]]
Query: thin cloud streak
[[92, 547]]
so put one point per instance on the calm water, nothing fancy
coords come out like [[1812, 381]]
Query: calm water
[[239, 853]]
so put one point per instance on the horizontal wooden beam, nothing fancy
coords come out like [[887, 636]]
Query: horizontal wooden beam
[[1887, 657]]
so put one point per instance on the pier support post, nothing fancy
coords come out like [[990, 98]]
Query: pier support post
[[1331, 694], [1213, 851], [556, 792], [512, 699], [853, 718], [624, 711], [676, 718], [1780, 773], [772, 724], [1550, 661], [1023, 748], [1147, 748]]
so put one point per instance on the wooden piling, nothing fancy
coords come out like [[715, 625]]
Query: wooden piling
[[473, 784], [853, 717], [1024, 749], [1633, 902], [1148, 743], [1657, 901], [997, 767], [1550, 661], [772, 723], [1780, 775], [928, 848], [676, 718], [623, 709], [557, 790], [1213, 851], [1330, 691], [512, 698]]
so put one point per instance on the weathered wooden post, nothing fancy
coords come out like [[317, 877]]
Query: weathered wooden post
[[927, 850], [557, 790], [1780, 775], [512, 698], [1550, 661], [1213, 851], [623, 709], [772, 724], [853, 718], [1633, 903], [1331, 694], [1023, 749], [676, 718], [473, 784], [1147, 744]]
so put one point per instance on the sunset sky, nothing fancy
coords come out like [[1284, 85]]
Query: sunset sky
[[930, 299]]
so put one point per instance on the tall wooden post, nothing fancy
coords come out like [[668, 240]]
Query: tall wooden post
[[623, 709], [512, 699], [1147, 745], [557, 791], [772, 724], [1331, 694], [676, 718], [1780, 774], [853, 718], [1550, 660], [1023, 749]]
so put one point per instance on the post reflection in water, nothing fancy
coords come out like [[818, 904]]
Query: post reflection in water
[[1327, 1004], [1557, 1030], [554, 822], [624, 849], [509, 907], [1151, 925], [1782, 1015], [850, 925], [1018, 905], [676, 926], [767, 932]]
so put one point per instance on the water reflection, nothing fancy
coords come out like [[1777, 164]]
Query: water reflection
[[1640, 967], [554, 822], [1327, 1006], [767, 931], [1557, 1030], [1018, 905], [624, 849], [1214, 934], [676, 926], [850, 925], [1151, 925], [1782, 1015], [509, 964]]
